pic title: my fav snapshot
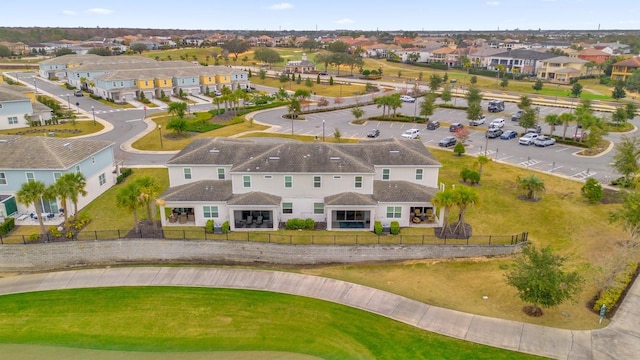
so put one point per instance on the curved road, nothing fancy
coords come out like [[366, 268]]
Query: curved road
[[619, 340]]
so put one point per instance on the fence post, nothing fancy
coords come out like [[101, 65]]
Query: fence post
[[445, 239], [378, 239], [334, 239], [422, 239], [1, 242], [290, 239], [468, 240], [184, 234], [23, 240], [312, 239], [248, 233], [489, 239], [356, 239], [95, 233], [269, 238], [400, 239]]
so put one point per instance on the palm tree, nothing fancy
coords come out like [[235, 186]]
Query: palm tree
[[566, 119], [394, 103], [32, 192], [149, 192], [77, 183], [178, 108], [62, 190], [482, 159], [382, 101], [445, 200], [532, 185], [552, 120], [464, 197], [128, 198]]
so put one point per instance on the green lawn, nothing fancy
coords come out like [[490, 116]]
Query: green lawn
[[166, 319]]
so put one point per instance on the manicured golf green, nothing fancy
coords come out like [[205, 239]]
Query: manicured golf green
[[167, 319]]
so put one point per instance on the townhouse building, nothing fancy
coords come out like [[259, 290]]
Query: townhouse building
[[621, 70], [561, 69], [255, 185]]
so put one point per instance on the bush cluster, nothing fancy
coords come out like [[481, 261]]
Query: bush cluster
[[394, 228], [209, 225], [225, 227], [8, 225], [470, 176], [610, 296], [295, 224], [124, 173], [377, 227]]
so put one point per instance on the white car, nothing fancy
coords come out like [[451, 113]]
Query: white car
[[528, 139], [544, 141], [478, 121], [497, 123], [407, 98], [411, 134]]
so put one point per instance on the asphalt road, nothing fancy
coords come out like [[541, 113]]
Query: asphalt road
[[557, 159]]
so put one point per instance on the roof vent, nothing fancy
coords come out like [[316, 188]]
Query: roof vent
[[67, 145], [214, 151], [334, 158], [274, 157], [394, 151]]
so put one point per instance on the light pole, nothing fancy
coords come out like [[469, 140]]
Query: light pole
[[292, 115], [322, 130], [68, 102], [145, 113], [160, 132], [93, 111], [35, 86]]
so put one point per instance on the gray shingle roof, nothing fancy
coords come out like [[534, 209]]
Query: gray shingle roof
[[10, 93], [402, 191], [350, 198], [204, 190], [255, 198], [252, 157], [31, 152]]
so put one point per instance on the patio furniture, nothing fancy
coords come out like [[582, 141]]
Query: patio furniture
[[249, 220], [173, 218], [191, 217], [259, 220], [23, 216], [183, 219]]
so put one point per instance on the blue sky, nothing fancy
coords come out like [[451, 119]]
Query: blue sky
[[326, 15]]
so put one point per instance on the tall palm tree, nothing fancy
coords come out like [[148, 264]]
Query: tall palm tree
[[566, 119], [77, 184], [464, 197], [32, 192], [445, 200], [532, 185], [149, 192], [482, 160], [178, 108], [128, 198], [61, 189]]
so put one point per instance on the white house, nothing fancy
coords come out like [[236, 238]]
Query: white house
[[262, 185]]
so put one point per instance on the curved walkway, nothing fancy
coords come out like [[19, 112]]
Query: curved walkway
[[620, 340]]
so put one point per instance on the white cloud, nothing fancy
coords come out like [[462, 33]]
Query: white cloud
[[281, 6], [69, 12], [345, 21], [99, 11], [493, 3]]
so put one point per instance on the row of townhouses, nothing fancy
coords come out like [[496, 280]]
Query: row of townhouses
[[119, 78], [18, 106]]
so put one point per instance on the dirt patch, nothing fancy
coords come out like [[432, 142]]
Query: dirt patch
[[462, 232], [610, 196]]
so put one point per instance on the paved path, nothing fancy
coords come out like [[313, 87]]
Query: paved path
[[620, 340]]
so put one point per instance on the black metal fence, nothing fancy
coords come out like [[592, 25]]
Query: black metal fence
[[292, 238]]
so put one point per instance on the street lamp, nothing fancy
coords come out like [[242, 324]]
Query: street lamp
[[322, 130], [93, 111], [35, 86], [160, 132], [68, 102]]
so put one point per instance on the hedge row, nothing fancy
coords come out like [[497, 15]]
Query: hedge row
[[296, 224], [611, 296], [8, 225], [123, 175]]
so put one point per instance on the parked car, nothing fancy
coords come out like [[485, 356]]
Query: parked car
[[496, 106], [373, 133], [407, 98], [527, 139], [411, 134], [544, 141], [517, 115], [537, 130], [217, 93], [448, 141], [323, 73], [433, 124], [497, 123], [580, 135], [455, 126], [478, 121], [78, 93], [493, 133], [509, 134]]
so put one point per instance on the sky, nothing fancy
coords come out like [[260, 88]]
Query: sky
[[371, 15]]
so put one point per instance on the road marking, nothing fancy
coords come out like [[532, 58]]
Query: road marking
[[481, 152], [530, 163], [562, 149], [133, 120], [506, 157], [583, 174], [554, 168]]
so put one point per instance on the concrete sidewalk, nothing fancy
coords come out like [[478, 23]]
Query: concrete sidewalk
[[620, 340]]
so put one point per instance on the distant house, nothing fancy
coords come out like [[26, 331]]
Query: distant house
[[302, 66], [621, 70], [561, 69], [15, 107], [29, 158], [256, 185], [597, 56]]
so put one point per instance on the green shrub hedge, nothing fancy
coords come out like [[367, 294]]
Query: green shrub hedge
[[124, 173], [394, 228], [377, 227], [8, 225], [296, 224], [610, 296]]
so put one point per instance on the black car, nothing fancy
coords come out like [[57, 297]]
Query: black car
[[433, 124], [455, 126], [373, 133], [448, 141]]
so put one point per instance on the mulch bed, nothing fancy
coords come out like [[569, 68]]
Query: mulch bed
[[451, 234]]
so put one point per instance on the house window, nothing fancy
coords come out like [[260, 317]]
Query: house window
[[56, 176], [164, 82], [337, 177], [394, 212], [288, 181], [3, 178], [287, 208], [358, 182], [419, 174], [268, 176], [317, 181], [102, 179], [30, 176], [122, 83], [13, 120], [146, 83], [318, 208], [386, 174], [210, 211], [77, 168], [93, 159], [220, 173], [187, 173], [246, 181]]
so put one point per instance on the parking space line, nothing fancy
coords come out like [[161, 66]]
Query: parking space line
[[564, 148]]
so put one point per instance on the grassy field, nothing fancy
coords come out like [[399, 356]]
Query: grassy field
[[165, 319], [66, 130]]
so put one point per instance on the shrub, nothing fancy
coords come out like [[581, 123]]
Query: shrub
[[309, 224], [474, 177], [394, 228], [464, 174], [225, 227], [124, 173], [34, 237], [610, 296], [592, 191], [8, 225], [53, 230], [295, 224], [209, 226], [377, 227], [459, 149]]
